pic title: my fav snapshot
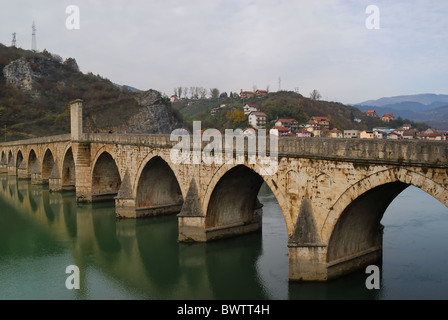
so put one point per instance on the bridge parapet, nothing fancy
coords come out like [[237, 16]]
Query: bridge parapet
[[364, 151], [34, 141]]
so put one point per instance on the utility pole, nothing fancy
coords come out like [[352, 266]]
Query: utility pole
[[14, 41], [33, 42]]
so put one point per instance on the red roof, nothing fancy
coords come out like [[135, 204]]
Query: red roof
[[321, 118], [281, 128], [259, 113], [286, 120]]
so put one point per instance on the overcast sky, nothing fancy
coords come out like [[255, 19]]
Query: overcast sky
[[239, 44]]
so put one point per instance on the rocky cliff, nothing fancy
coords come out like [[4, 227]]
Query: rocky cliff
[[152, 114], [35, 88]]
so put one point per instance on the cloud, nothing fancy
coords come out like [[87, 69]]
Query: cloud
[[234, 45]]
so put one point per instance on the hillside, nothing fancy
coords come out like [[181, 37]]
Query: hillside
[[278, 105], [35, 89]]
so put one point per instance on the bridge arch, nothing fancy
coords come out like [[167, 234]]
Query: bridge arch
[[47, 165], [19, 159], [353, 223], [231, 196], [68, 170], [106, 179], [33, 163], [158, 187], [3, 159], [10, 158]]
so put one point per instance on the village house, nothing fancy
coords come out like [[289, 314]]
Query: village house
[[334, 133], [261, 93], [291, 124], [393, 136], [399, 131], [246, 94], [317, 133], [407, 126], [250, 107], [311, 126], [411, 134], [371, 113], [380, 134], [388, 117], [257, 119], [434, 136], [366, 134], [174, 98], [303, 133], [348, 134], [321, 121], [279, 131]]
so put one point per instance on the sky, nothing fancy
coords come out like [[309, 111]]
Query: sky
[[347, 50]]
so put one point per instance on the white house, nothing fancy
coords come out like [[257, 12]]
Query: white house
[[250, 107], [257, 119]]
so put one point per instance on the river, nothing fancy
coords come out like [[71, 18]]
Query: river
[[42, 233]]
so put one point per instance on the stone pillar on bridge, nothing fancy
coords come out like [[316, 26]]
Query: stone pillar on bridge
[[12, 170], [22, 171], [81, 153], [55, 181], [125, 201], [76, 120]]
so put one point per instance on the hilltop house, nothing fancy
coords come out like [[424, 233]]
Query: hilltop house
[[372, 113], [246, 94], [261, 93], [388, 117]]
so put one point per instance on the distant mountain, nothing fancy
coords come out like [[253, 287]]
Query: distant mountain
[[127, 87], [429, 108], [427, 99]]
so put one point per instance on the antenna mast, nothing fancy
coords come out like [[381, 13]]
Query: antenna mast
[[14, 41], [33, 43]]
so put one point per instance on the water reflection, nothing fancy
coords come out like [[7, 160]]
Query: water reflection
[[43, 232]]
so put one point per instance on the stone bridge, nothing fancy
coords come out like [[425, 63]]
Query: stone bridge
[[332, 192]]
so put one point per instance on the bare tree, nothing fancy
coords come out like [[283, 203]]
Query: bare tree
[[315, 95], [179, 92], [185, 92], [202, 92], [193, 92]]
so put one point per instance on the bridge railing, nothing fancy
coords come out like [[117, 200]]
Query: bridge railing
[[40, 140], [402, 152]]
